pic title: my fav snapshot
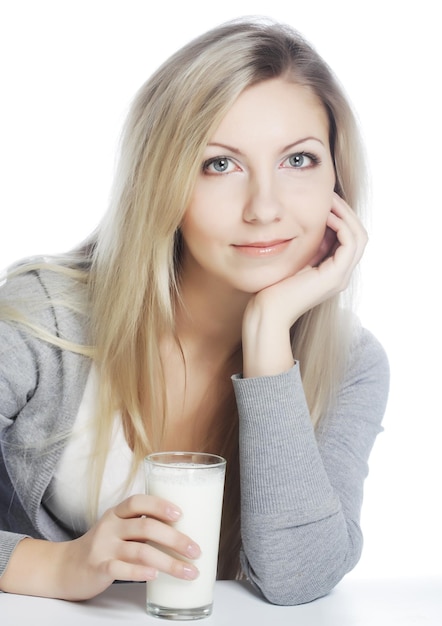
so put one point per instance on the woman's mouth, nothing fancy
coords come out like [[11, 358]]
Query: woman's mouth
[[262, 248]]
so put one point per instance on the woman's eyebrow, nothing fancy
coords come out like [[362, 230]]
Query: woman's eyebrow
[[225, 146], [287, 147], [298, 141]]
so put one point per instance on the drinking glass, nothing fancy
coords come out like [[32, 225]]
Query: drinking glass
[[193, 481]]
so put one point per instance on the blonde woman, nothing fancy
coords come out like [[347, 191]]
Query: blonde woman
[[204, 314]]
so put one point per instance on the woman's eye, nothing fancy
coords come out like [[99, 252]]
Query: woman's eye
[[218, 165], [300, 160]]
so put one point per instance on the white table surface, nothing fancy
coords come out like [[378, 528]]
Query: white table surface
[[354, 602]]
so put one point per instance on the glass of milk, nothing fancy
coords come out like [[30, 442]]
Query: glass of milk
[[193, 481]]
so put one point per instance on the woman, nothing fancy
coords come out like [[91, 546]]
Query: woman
[[186, 322]]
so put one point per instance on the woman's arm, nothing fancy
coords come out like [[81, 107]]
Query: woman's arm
[[301, 492], [37, 407]]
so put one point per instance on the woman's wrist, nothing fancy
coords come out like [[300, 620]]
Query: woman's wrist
[[266, 345], [34, 569]]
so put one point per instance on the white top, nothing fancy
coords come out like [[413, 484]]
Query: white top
[[67, 494]]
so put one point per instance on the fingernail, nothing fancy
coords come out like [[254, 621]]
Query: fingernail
[[193, 551], [173, 513], [190, 573], [152, 574]]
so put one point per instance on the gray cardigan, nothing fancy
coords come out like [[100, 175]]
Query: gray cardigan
[[301, 491]]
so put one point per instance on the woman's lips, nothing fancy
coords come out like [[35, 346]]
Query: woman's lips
[[262, 248]]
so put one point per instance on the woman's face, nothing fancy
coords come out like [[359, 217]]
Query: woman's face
[[259, 207]]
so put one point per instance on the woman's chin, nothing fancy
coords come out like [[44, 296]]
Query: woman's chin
[[253, 286]]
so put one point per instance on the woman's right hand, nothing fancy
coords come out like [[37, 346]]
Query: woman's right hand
[[132, 541]]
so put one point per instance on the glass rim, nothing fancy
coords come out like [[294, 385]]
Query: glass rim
[[215, 460]]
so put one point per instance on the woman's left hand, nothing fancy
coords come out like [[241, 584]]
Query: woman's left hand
[[271, 312]]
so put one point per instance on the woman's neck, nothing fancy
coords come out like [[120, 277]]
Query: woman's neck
[[198, 363], [209, 316]]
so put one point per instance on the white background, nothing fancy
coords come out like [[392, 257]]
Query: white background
[[69, 70]]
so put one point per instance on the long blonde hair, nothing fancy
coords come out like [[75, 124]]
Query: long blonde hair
[[132, 261]]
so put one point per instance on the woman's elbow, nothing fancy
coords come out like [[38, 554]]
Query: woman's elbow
[[293, 592], [286, 584]]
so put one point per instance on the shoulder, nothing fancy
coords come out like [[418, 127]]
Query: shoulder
[[43, 338], [49, 298], [33, 279], [367, 352], [367, 375]]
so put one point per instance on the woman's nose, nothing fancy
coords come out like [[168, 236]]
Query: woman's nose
[[262, 205]]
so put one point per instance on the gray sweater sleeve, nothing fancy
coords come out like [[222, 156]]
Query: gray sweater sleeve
[[36, 412], [301, 490]]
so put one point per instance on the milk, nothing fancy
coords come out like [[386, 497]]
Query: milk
[[198, 490]]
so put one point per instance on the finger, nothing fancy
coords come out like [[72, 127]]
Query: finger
[[345, 212], [348, 228], [155, 558], [117, 569], [349, 251], [148, 529], [151, 506], [346, 256], [340, 206]]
